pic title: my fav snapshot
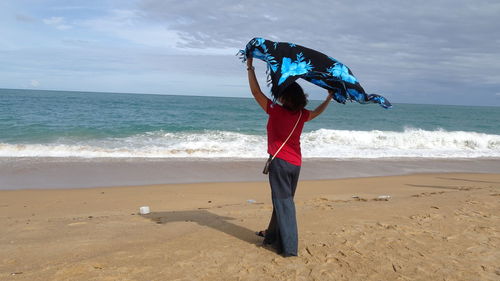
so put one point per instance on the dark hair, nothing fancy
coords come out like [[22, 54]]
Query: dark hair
[[293, 97]]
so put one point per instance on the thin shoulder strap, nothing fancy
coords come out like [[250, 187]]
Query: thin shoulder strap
[[296, 123]]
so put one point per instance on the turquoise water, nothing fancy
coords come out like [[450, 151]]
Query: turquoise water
[[82, 124]]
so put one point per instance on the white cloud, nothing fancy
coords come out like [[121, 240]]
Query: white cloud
[[53, 20], [130, 25], [34, 83], [124, 24], [57, 22], [64, 27]]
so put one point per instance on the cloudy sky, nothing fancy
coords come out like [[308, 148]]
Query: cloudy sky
[[441, 51]]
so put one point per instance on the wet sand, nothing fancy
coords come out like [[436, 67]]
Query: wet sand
[[42, 173], [440, 226]]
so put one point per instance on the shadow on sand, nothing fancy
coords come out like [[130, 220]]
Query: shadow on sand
[[206, 218]]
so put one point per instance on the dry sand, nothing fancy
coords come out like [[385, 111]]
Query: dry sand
[[434, 227]]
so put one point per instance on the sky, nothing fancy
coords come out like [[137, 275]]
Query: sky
[[437, 52]]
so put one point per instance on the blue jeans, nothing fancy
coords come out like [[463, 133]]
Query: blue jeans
[[282, 230]]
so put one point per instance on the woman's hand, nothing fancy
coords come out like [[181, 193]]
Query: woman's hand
[[330, 95]]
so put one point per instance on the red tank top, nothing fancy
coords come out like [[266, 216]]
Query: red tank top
[[279, 126]]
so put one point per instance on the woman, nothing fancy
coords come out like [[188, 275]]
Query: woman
[[285, 167]]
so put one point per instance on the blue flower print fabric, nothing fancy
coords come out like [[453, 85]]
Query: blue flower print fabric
[[287, 62]]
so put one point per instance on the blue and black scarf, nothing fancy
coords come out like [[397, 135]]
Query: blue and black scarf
[[287, 62]]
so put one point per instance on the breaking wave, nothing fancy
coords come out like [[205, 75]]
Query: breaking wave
[[321, 143]]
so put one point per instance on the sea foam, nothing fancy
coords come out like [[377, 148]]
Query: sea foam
[[322, 143]]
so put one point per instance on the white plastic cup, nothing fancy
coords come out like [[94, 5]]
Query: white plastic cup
[[384, 197], [144, 210]]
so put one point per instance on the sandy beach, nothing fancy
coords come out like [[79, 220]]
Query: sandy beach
[[109, 108], [435, 226]]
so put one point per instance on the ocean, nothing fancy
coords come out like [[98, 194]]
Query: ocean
[[36, 123]]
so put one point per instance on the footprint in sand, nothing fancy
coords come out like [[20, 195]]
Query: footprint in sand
[[425, 218], [425, 194]]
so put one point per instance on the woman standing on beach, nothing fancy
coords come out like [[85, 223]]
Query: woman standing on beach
[[284, 128]]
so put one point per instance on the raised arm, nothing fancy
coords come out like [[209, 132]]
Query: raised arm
[[261, 99], [321, 107]]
